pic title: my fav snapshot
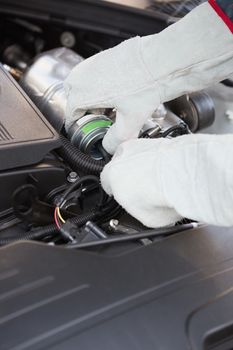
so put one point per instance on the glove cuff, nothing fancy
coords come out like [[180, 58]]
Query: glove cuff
[[191, 54]]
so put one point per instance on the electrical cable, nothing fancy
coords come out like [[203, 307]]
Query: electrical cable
[[52, 230], [72, 188], [49, 230], [181, 127], [79, 160], [56, 219], [55, 192], [60, 216], [79, 182], [34, 235], [107, 207]]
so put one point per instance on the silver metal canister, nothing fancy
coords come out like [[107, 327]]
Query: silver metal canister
[[43, 82]]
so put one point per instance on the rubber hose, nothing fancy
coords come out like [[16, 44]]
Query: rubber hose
[[82, 219], [36, 234], [78, 160], [42, 232], [45, 231]]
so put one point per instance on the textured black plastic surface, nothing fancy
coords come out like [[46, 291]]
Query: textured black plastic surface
[[25, 135], [174, 294], [44, 176]]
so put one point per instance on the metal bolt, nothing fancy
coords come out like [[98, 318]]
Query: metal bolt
[[154, 132], [68, 39], [114, 223], [72, 177]]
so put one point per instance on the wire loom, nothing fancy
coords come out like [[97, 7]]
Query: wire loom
[[59, 220], [102, 212]]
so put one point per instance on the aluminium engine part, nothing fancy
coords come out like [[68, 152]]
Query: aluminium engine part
[[196, 110], [87, 132], [161, 121], [43, 82]]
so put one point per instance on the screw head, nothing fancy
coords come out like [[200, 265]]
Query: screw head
[[68, 39], [114, 223], [72, 177]]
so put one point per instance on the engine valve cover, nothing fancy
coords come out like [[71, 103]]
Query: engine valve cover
[[25, 136]]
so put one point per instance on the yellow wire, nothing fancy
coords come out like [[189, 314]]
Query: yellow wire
[[60, 216]]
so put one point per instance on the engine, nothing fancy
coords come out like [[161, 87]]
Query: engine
[[49, 177], [43, 82]]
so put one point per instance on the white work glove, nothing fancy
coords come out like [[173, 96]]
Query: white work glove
[[159, 181], [139, 74]]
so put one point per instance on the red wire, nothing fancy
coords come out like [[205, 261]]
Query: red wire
[[55, 219]]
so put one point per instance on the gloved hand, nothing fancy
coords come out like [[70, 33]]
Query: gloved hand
[[139, 74], [159, 181]]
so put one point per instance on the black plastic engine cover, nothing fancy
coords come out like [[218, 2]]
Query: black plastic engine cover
[[175, 294], [25, 136], [45, 176]]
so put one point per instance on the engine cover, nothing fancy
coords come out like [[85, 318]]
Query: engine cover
[[175, 294], [25, 136]]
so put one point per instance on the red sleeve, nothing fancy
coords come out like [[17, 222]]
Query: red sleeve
[[224, 9]]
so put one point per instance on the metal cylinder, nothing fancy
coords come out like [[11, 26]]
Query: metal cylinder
[[88, 131], [43, 82], [196, 110]]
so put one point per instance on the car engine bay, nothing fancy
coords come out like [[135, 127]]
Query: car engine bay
[[49, 176], [77, 271]]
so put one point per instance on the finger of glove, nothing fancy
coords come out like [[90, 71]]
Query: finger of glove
[[73, 111], [132, 177], [132, 113]]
